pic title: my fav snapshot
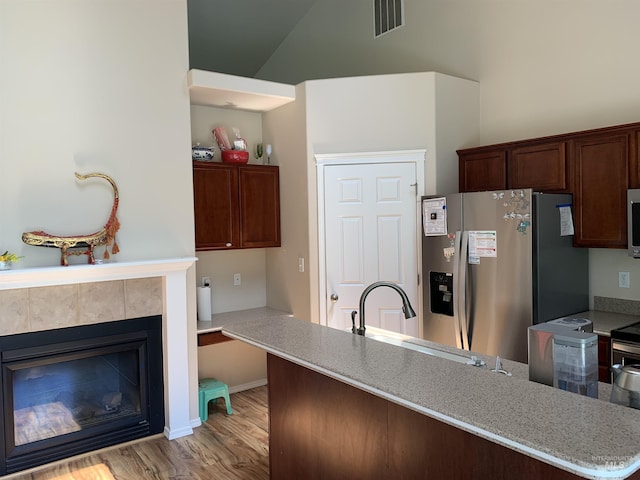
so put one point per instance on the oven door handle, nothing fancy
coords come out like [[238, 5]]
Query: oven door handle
[[625, 348]]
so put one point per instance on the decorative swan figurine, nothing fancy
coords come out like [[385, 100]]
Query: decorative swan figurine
[[87, 243]]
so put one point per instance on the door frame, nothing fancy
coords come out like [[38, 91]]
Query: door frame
[[417, 157]]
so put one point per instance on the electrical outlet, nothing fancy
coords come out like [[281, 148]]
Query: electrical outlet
[[624, 280], [206, 281], [300, 264], [237, 279]]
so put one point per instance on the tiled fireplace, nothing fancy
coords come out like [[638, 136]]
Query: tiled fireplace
[[97, 301]]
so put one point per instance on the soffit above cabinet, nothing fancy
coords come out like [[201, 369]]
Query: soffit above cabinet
[[214, 89]]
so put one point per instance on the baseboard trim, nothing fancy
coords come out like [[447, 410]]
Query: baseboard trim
[[248, 386]]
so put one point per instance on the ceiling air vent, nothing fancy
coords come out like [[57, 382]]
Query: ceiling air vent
[[387, 15]]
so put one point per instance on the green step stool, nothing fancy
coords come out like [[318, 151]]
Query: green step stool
[[210, 389]]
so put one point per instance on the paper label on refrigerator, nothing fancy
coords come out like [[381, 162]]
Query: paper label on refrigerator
[[566, 220], [434, 216], [482, 244]]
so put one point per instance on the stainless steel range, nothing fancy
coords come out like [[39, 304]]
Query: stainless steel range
[[625, 345]]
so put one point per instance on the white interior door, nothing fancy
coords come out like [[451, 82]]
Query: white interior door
[[370, 235]]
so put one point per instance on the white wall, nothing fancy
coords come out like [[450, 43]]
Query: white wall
[[544, 67], [287, 288], [95, 86], [359, 114], [235, 363], [604, 266]]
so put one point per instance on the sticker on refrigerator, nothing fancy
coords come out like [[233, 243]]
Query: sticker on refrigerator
[[434, 216], [482, 243]]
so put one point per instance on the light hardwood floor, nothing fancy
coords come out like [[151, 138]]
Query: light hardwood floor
[[224, 447]]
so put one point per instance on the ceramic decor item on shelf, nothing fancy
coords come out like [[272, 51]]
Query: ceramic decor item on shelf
[[221, 137], [201, 153], [235, 156], [7, 260]]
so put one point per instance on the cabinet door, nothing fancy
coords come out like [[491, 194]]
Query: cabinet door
[[541, 167], [634, 172], [215, 192], [259, 206], [480, 171], [604, 359], [601, 166]]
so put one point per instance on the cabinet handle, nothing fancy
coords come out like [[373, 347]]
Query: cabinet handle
[[228, 244]]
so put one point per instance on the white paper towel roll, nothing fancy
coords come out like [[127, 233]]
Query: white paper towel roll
[[204, 304]]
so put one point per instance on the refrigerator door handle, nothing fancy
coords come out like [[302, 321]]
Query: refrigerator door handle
[[456, 289], [462, 288]]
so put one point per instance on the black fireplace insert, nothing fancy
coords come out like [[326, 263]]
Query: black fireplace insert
[[72, 390]]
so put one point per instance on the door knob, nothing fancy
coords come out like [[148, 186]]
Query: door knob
[[334, 297]]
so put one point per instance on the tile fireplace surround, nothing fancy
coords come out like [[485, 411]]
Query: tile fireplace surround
[[37, 299]]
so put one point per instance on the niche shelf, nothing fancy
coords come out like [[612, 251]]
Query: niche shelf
[[214, 89]]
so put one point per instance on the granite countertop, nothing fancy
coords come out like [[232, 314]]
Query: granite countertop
[[220, 319], [604, 322], [589, 437]]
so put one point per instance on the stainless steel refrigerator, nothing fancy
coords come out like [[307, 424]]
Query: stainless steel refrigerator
[[495, 263]]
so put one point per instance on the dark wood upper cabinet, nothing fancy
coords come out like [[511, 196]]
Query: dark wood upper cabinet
[[236, 206], [216, 206], [482, 170], [540, 167], [597, 166], [634, 174], [601, 166], [259, 206]]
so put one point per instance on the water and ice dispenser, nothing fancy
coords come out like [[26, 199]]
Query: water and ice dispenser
[[441, 293]]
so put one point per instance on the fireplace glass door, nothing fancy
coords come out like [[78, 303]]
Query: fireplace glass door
[[75, 392], [78, 389]]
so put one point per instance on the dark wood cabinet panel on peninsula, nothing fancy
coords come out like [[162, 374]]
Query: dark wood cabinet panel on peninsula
[[321, 428], [596, 166], [236, 206]]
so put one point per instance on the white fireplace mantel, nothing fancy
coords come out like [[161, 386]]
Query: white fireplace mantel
[[49, 276], [175, 318]]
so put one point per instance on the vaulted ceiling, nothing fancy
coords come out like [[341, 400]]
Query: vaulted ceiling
[[238, 36]]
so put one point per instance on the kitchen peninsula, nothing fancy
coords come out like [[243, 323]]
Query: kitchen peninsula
[[344, 403]]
